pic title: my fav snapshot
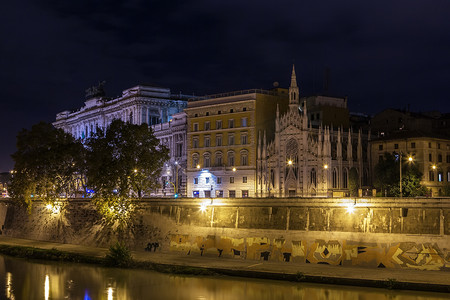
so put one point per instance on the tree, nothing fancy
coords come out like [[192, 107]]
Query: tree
[[125, 161], [353, 182], [386, 174], [48, 163], [387, 177]]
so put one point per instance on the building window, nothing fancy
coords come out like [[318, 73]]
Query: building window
[[195, 160], [439, 146], [430, 157], [195, 126], [207, 126], [439, 157], [448, 176], [380, 147], [207, 113], [219, 159], [195, 142], [395, 146], [335, 179], [230, 159], [431, 175], [244, 179], [219, 124], [244, 193], [413, 145], [218, 140], [219, 112], [231, 179], [244, 159], [244, 109], [232, 194], [219, 193], [179, 150], [207, 179], [244, 139], [440, 176], [429, 145], [207, 160], [313, 177], [345, 179], [231, 139], [219, 180], [244, 122], [448, 158], [207, 141], [231, 110], [231, 123], [196, 180]]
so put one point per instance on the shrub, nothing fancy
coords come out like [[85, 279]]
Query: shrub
[[119, 256]]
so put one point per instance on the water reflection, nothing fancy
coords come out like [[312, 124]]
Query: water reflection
[[21, 279]]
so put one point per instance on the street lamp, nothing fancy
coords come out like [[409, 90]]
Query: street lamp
[[410, 159]]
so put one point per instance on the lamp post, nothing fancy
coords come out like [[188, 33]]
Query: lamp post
[[410, 159]]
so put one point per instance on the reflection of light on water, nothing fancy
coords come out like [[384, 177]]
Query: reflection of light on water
[[9, 290], [110, 293], [47, 287], [86, 295]]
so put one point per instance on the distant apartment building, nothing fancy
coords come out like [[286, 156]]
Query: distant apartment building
[[429, 151], [222, 140], [155, 106]]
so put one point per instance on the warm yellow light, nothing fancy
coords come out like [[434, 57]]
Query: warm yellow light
[[290, 162], [434, 167], [410, 158], [234, 169], [203, 207], [110, 293], [49, 206], [135, 170], [198, 166], [325, 166], [47, 287], [350, 208]]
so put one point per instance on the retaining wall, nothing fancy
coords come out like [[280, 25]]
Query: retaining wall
[[373, 232]]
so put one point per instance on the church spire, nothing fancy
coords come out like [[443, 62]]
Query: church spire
[[293, 91]]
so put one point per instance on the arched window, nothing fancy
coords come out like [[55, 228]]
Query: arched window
[[194, 160], [335, 178], [206, 160], [218, 162], [244, 158], [313, 177], [230, 156], [345, 179]]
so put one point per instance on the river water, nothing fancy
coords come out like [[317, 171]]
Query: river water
[[24, 279]]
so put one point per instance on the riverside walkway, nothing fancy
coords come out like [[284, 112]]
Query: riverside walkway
[[437, 281]]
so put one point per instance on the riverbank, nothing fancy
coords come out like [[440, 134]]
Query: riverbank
[[406, 279]]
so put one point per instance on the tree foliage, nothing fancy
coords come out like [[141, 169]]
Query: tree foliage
[[46, 161], [387, 177], [123, 162]]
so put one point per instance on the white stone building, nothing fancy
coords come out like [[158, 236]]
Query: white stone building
[[155, 106]]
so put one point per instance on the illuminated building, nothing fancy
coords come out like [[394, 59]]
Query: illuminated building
[[173, 135], [306, 157], [137, 105], [222, 140], [430, 152], [155, 106]]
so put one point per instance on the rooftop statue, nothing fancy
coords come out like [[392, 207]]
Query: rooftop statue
[[96, 91]]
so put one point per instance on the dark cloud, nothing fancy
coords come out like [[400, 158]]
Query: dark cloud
[[381, 55]]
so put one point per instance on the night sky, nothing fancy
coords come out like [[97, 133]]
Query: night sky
[[386, 54]]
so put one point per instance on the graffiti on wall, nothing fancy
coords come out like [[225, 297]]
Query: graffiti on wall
[[423, 256]]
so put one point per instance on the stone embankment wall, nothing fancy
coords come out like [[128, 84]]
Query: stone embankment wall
[[374, 232]]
